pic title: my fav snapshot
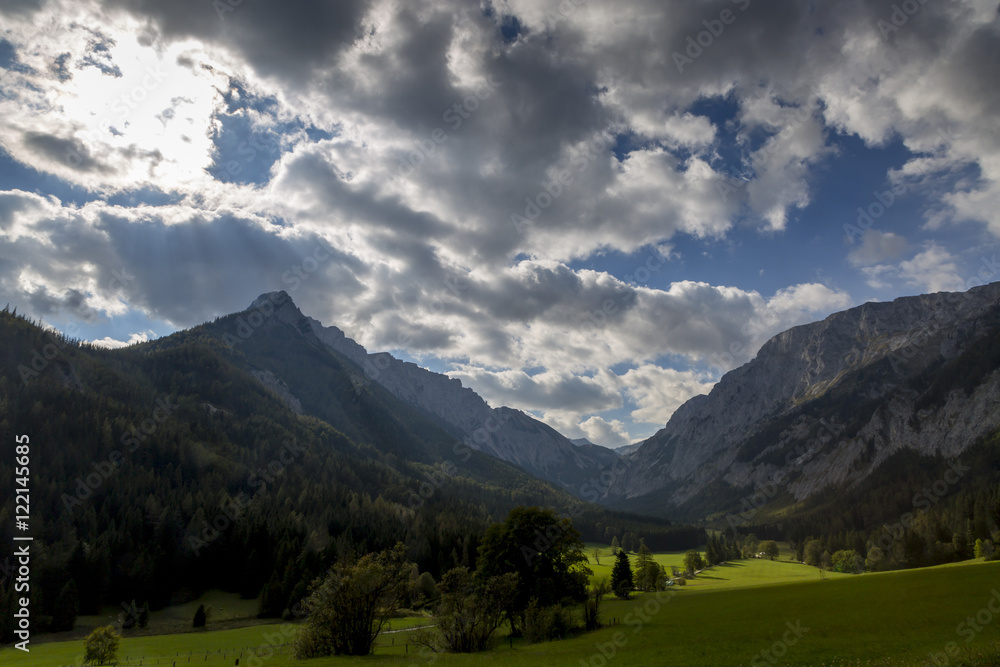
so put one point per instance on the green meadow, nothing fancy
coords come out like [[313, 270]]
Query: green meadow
[[739, 574], [751, 612]]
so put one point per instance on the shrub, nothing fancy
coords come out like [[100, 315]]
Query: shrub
[[200, 617], [545, 623], [101, 646]]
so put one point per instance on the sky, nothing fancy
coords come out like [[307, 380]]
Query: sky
[[585, 209]]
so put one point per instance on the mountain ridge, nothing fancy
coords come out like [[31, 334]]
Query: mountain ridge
[[861, 371], [503, 432]]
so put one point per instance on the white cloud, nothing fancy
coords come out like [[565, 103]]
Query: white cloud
[[877, 247], [111, 343], [658, 392], [600, 431], [933, 270], [428, 260]]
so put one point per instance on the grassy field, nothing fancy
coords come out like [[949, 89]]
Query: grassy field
[[896, 618], [738, 574]]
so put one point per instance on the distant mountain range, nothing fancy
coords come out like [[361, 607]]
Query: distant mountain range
[[505, 433], [248, 454], [823, 406]]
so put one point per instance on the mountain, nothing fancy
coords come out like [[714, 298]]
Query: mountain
[[505, 433], [824, 406], [240, 455]]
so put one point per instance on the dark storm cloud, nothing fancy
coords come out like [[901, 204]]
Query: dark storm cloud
[[20, 6], [435, 260], [278, 39], [329, 187], [188, 273], [67, 151]]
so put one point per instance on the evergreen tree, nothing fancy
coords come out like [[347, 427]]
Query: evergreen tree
[[130, 616], [67, 607], [200, 617], [621, 576]]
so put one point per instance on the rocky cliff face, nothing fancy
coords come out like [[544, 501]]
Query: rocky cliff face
[[505, 433], [826, 403]]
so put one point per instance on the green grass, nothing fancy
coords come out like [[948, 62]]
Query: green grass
[[895, 618], [751, 572]]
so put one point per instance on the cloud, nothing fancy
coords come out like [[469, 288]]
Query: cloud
[[877, 247], [111, 343], [603, 432], [659, 391], [544, 391], [458, 178], [933, 270]]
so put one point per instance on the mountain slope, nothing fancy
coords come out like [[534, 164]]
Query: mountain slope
[[190, 462], [825, 404], [505, 433]]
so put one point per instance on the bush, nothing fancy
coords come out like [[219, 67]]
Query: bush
[[101, 646], [592, 607], [348, 608], [848, 561], [200, 617], [471, 610], [545, 623]]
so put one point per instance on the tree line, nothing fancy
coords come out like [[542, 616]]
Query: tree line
[[230, 489]]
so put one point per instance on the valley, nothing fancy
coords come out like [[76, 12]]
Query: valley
[[736, 614]]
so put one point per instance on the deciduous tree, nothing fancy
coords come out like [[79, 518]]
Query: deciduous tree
[[101, 646], [349, 608]]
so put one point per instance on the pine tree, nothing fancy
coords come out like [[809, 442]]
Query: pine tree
[[621, 576], [200, 617], [67, 607]]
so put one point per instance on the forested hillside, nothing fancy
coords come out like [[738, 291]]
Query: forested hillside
[[166, 468]]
